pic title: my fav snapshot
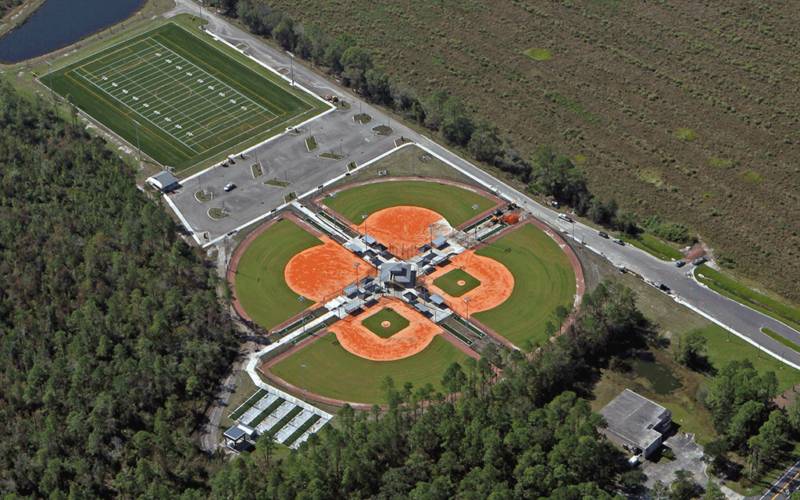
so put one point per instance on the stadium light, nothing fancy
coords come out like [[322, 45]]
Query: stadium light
[[467, 301], [302, 300], [138, 148], [50, 76], [355, 266], [476, 207], [364, 218]]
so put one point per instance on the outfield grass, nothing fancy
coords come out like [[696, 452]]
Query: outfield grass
[[449, 282], [543, 280], [373, 323], [336, 373], [260, 284], [732, 289], [150, 90], [453, 203]]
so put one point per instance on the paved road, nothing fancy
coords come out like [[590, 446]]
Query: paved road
[[740, 319], [787, 484]]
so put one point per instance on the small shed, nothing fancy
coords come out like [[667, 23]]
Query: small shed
[[234, 437], [437, 300], [351, 290], [369, 240], [164, 181]]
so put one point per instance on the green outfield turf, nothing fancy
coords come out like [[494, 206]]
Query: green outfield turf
[[449, 282], [373, 323], [543, 280], [454, 203], [260, 285], [195, 99], [335, 373]]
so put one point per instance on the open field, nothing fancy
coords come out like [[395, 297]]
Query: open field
[[193, 101], [449, 282], [453, 203], [543, 280], [333, 372], [623, 81], [373, 323], [260, 284]]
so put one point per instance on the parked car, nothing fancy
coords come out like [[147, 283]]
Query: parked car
[[554, 204], [619, 242], [680, 263], [603, 235], [565, 217], [699, 260], [663, 287], [229, 186]]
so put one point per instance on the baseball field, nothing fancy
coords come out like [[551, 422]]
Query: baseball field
[[543, 280], [333, 372], [452, 202], [260, 282]]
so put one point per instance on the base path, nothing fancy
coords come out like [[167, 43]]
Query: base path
[[496, 286], [319, 271], [404, 229], [362, 342]]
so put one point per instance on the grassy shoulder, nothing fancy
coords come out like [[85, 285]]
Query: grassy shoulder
[[260, 284], [453, 203], [732, 289], [543, 280], [336, 373], [775, 336], [654, 246]]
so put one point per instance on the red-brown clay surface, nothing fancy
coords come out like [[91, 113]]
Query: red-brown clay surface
[[496, 286], [360, 341], [404, 229], [318, 271]]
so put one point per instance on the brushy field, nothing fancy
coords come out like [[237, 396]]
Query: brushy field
[[336, 373], [449, 282], [453, 203], [260, 284], [543, 280], [373, 323], [194, 100], [624, 84]]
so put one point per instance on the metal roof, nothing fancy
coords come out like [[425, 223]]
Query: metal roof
[[234, 433]]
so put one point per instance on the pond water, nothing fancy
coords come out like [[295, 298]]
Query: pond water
[[58, 23], [662, 379]]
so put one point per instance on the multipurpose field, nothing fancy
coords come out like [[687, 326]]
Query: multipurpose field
[[194, 101]]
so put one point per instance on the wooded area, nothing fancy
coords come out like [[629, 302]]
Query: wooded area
[[111, 333]]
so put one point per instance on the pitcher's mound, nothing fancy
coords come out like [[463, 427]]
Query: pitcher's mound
[[386, 324], [461, 282]]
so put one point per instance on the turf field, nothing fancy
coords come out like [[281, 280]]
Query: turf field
[[449, 282], [335, 373], [543, 280], [373, 323], [453, 203], [194, 101], [260, 284]]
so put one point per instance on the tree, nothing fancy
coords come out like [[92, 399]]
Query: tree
[[683, 485], [692, 349], [713, 492], [284, 33], [335, 51], [793, 414], [356, 62], [744, 423], [456, 127], [485, 143], [715, 453]]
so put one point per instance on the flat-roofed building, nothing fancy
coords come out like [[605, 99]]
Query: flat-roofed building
[[636, 422]]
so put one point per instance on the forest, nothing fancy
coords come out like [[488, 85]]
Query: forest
[[111, 333]]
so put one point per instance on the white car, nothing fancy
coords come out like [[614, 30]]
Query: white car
[[565, 217], [229, 186]]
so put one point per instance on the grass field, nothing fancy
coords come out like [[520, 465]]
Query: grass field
[[194, 101], [373, 323], [449, 282], [543, 280], [454, 203], [260, 284], [336, 373]]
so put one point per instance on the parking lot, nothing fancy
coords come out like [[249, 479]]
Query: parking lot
[[287, 159]]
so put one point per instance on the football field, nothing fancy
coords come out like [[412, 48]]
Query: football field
[[187, 99]]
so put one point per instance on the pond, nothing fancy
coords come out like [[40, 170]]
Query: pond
[[659, 376], [58, 23]]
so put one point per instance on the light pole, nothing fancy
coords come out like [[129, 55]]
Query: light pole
[[138, 148], [291, 66], [430, 227], [341, 151], [304, 382], [467, 301], [303, 312], [364, 218], [782, 361], [475, 208], [50, 76], [355, 266]]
